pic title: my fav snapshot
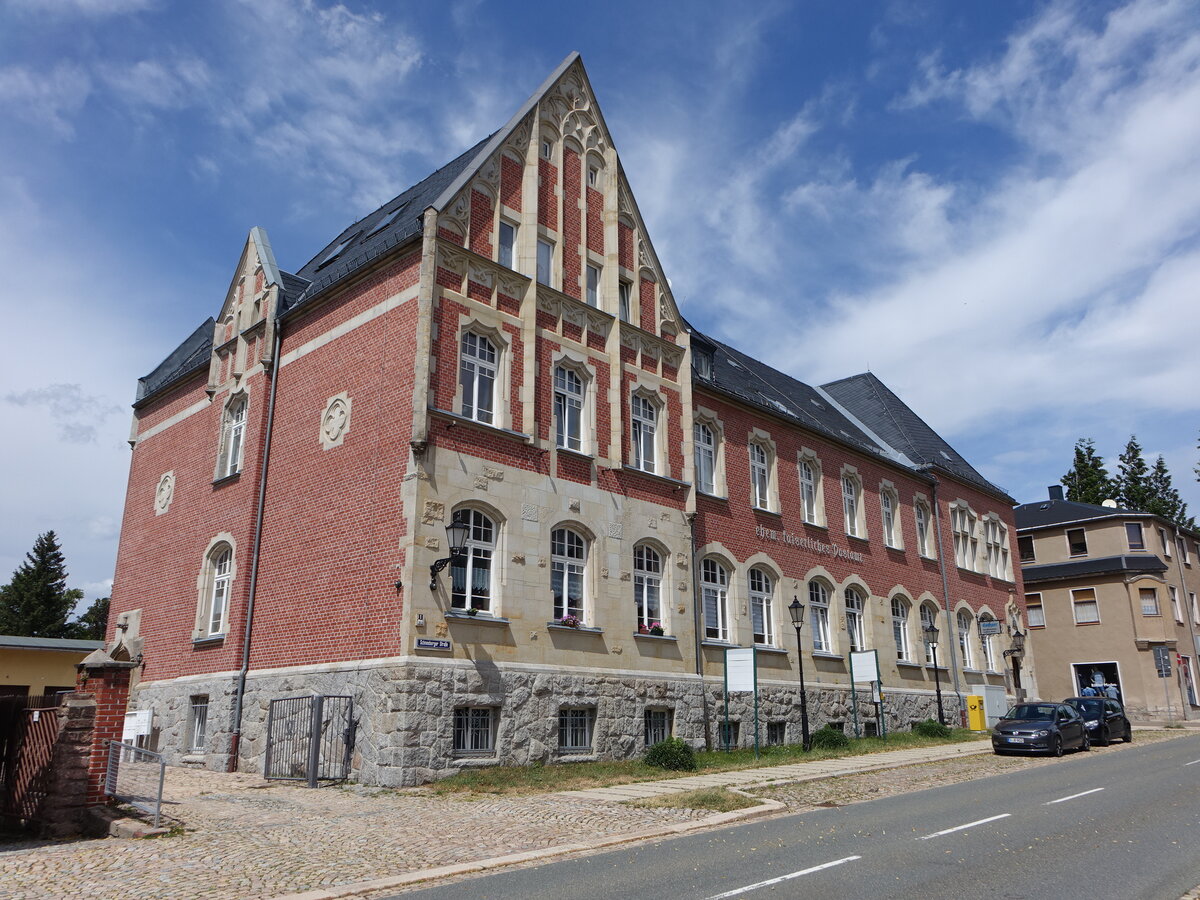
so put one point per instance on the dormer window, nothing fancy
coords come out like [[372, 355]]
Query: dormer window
[[702, 362]]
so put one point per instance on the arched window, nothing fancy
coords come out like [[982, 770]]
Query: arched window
[[818, 615], [900, 627], [808, 491], [471, 576], [985, 641], [850, 497], [477, 372], [762, 613], [760, 477], [220, 582], [706, 458], [965, 620], [854, 618], [921, 514], [889, 506], [714, 590], [568, 408], [233, 438], [928, 617], [568, 558], [647, 587]]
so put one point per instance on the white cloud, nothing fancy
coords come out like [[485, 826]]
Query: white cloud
[[50, 98], [86, 8]]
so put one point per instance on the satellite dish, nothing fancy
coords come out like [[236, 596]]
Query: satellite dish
[[1111, 504]]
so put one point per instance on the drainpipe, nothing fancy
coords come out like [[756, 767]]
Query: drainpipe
[[950, 622], [698, 629], [240, 693]]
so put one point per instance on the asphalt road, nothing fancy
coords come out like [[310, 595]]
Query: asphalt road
[[1097, 825]]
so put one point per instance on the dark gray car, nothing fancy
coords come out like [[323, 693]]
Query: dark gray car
[[1105, 719], [1040, 728]]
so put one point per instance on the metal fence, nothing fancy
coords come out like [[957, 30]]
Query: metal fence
[[310, 739], [135, 776]]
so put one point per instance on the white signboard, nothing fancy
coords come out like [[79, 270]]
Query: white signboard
[[137, 724], [739, 669], [864, 666]]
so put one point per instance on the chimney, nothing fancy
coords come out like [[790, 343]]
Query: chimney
[[1056, 492]]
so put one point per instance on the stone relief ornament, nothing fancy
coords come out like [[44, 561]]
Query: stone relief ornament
[[335, 421], [164, 493]]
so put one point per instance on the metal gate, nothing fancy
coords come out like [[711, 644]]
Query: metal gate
[[310, 739], [26, 763]]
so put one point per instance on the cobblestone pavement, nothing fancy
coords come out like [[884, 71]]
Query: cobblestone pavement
[[246, 839]]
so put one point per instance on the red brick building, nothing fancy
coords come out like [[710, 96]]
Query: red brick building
[[500, 345]]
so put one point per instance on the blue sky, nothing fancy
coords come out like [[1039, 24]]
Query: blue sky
[[994, 207]]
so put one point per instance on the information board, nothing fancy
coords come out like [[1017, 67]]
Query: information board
[[1162, 661], [739, 669], [864, 665]]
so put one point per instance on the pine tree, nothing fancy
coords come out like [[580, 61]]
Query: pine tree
[[1166, 501], [37, 601], [1133, 478], [1088, 481], [92, 625]]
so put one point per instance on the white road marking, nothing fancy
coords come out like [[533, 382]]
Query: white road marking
[[961, 827], [1193, 762], [1072, 797], [753, 887]]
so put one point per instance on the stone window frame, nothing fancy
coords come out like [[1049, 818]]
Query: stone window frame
[[469, 730], [928, 605], [583, 367], [587, 590], [889, 502], [197, 724], [995, 542], [710, 420], [497, 520], [768, 598], [761, 441], [964, 530], [231, 446], [637, 460], [664, 557], [820, 603], [964, 614], [809, 457], [208, 582], [900, 606], [724, 619], [515, 254], [851, 484], [566, 742], [987, 643], [863, 614], [923, 514], [481, 325]]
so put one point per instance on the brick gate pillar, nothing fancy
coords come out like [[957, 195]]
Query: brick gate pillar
[[106, 680]]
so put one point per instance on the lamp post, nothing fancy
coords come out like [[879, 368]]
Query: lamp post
[[931, 638], [796, 611], [456, 537]]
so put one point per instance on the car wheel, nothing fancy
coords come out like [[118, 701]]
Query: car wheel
[[1104, 739], [1057, 749], [1128, 734], [1087, 743]]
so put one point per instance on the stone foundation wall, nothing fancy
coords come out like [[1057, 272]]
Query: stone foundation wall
[[405, 714]]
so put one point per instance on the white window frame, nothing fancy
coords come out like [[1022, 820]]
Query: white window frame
[[809, 470], [592, 279], [1075, 605], [1195, 607], [481, 552], [986, 643], [570, 401], [760, 476], [624, 300], [216, 588], [818, 617], [762, 606], [474, 368], [856, 609], [901, 607], [644, 428], [963, 525], [506, 252], [996, 546], [714, 592], [1166, 544], [474, 730], [1173, 593], [568, 564], [1038, 604], [964, 620], [1153, 608], [852, 504], [647, 586], [706, 457], [889, 515], [233, 436], [545, 262], [576, 729], [923, 519], [1183, 550]]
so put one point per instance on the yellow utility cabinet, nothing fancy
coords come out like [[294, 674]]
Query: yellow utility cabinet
[[976, 717]]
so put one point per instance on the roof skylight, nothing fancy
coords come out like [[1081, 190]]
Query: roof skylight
[[337, 250]]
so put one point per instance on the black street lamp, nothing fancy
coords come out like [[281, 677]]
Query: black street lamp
[[1017, 651], [456, 537], [796, 610], [931, 638]]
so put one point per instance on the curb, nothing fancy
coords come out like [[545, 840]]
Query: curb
[[765, 807]]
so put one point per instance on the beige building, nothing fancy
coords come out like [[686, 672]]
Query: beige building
[[1111, 594], [31, 666]]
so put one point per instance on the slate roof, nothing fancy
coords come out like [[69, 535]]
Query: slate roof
[[1105, 565], [1045, 513], [860, 411], [190, 356], [877, 407], [38, 643], [366, 240]]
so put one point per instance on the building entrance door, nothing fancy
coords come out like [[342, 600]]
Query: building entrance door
[[1185, 677], [1099, 677]]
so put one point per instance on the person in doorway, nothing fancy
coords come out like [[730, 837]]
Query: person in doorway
[[1111, 692], [1089, 691]]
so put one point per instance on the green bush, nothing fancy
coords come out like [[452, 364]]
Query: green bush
[[827, 738], [673, 753], [931, 728]]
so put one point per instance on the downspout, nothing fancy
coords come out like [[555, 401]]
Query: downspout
[[698, 629], [240, 693], [950, 623]]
